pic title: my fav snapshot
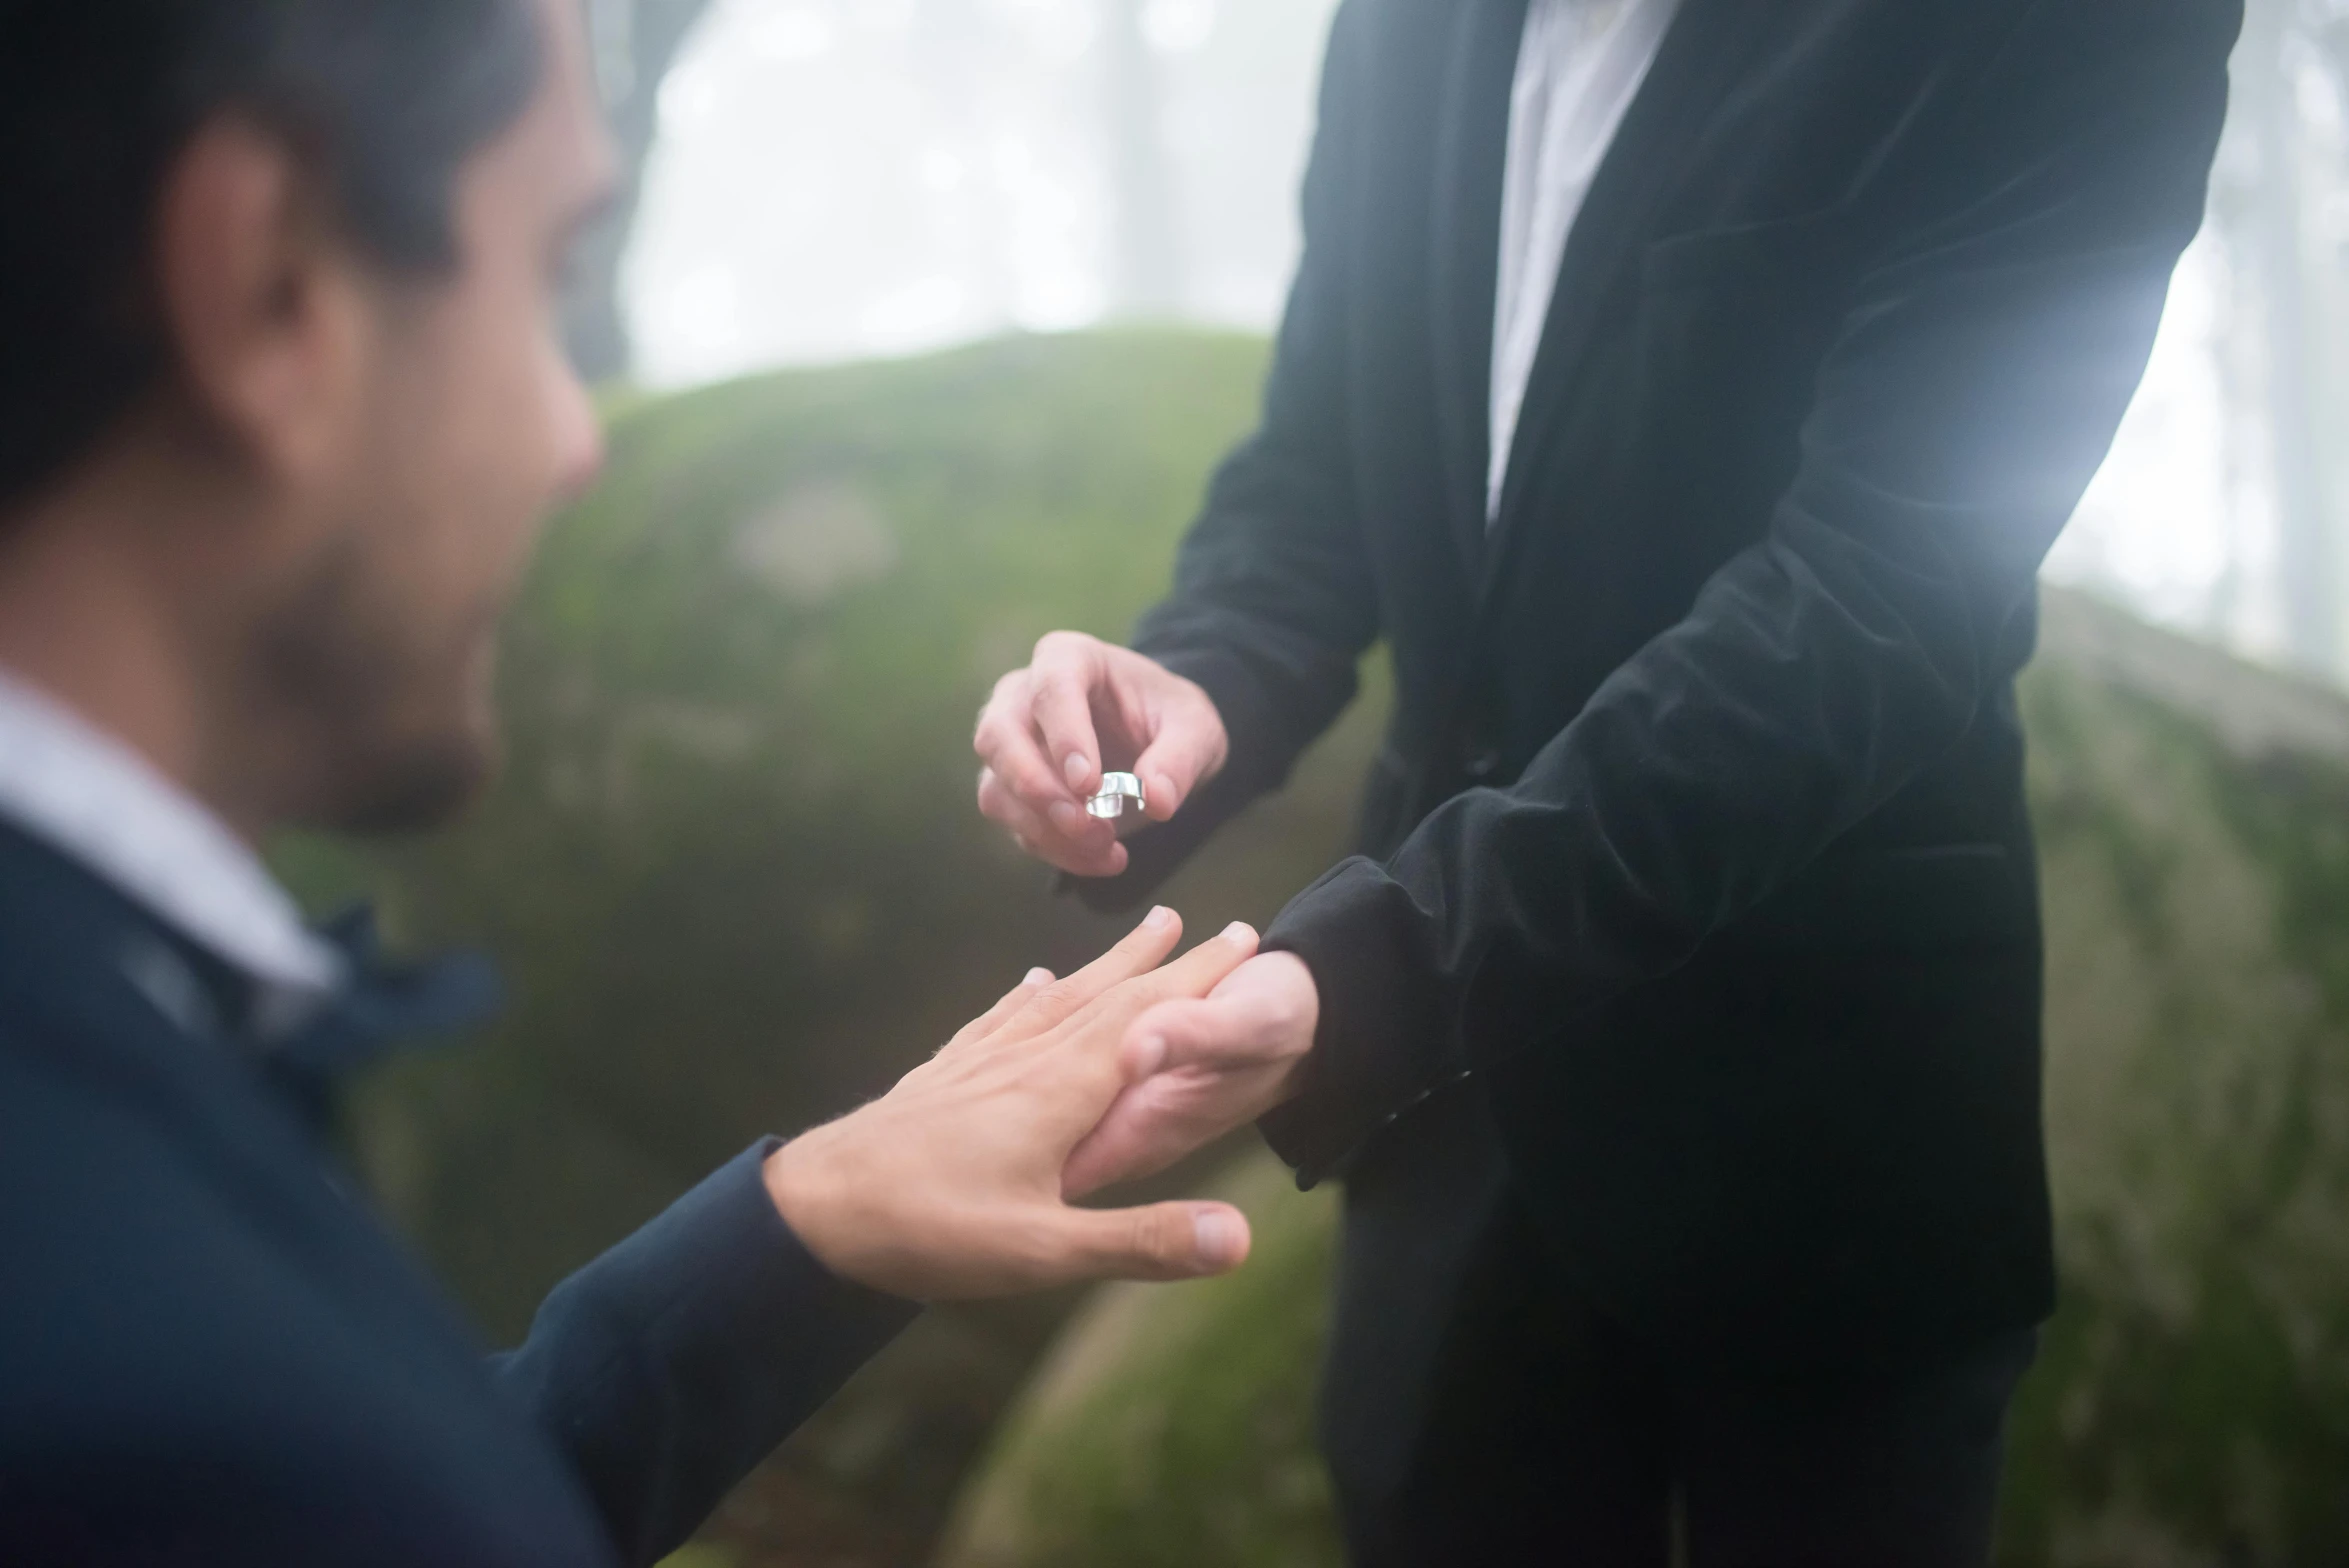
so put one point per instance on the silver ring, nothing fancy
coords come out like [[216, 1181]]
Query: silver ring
[[1119, 793]]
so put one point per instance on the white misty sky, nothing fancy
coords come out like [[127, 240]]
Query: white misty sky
[[836, 179]]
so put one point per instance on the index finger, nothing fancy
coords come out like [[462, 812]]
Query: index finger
[[994, 1017], [1006, 742]]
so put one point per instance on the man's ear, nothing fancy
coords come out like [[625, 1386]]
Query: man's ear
[[261, 300]]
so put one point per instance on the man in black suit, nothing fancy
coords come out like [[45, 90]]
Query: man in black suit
[[1687, 396], [280, 408]]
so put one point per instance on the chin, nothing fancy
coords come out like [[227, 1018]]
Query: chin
[[418, 785], [426, 778]]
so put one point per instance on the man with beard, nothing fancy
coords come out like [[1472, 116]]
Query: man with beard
[[280, 409]]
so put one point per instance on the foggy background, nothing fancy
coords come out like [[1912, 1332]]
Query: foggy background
[[827, 180]]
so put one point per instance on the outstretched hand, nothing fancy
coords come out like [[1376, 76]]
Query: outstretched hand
[[1200, 1067], [950, 1186]]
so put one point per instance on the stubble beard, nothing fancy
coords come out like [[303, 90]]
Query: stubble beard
[[393, 713]]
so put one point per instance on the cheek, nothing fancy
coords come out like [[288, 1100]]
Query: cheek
[[512, 425]]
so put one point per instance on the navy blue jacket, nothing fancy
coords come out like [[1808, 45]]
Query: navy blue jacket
[[211, 1351]]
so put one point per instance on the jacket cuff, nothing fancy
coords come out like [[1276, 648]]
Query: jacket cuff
[[673, 1364], [1385, 1040], [770, 1314]]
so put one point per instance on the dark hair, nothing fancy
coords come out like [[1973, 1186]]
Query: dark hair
[[384, 100]]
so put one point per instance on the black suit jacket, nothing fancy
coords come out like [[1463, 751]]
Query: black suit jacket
[[212, 1353], [1700, 829]]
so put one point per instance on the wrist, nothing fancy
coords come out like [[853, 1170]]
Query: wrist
[[805, 1184]]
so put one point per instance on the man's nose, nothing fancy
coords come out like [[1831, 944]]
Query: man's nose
[[579, 439]]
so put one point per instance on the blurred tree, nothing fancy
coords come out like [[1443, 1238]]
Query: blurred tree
[[2273, 243], [958, 51], [2277, 215], [1146, 274], [636, 41], [2329, 25]]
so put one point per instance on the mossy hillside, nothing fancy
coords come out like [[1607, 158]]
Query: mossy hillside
[[2192, 1399], [2191, 1403]]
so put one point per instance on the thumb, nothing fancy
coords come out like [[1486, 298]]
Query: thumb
[[1264, 1012], [1214, 1032], [1177, 758], [1159, 1241]]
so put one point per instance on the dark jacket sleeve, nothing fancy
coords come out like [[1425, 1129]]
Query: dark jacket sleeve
[[1975, 383], [1273, 603], [675, 1362]]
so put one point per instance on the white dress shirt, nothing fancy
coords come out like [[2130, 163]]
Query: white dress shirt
[[86, 794], [1579, 65]]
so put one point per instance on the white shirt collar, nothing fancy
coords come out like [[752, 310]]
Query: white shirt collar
[[88, 795], [1580, 63]]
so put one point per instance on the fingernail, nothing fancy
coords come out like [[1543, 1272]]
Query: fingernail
[[1039, 977], [1077, 769], [1160, 918], [1240, 933], [1218, 1237], [1066, 817]]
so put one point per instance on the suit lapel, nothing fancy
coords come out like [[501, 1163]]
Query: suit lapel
[[1709, 44], [1471, 154]]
